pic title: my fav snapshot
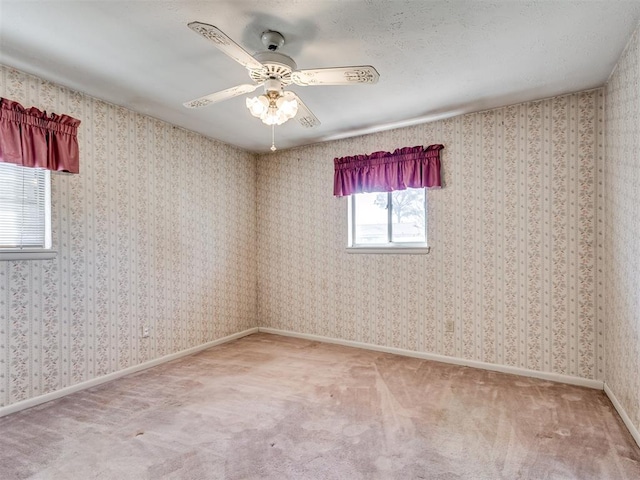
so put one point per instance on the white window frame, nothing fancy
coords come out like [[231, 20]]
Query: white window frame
[[36, 253], [390, 246]]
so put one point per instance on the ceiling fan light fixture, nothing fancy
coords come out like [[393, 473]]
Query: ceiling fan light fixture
[[272, 109]]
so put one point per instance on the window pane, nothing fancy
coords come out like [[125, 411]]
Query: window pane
[[370, 218], [408, 216]]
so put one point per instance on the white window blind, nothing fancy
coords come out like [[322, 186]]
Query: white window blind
[[24, 207]]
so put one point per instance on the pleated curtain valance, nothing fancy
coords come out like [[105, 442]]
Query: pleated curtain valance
[[31, 138], [408, 167]]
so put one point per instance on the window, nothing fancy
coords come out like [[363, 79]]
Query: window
[[25, 213], [393, 222]]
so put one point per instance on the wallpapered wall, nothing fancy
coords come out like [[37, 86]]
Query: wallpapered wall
[[158, 229], [513, 262], [622, 248]]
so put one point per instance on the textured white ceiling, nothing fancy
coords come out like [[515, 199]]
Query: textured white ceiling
[[435, 58]]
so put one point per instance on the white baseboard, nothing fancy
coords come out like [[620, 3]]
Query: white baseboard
[[623, 414], [597, 384], [32, 402], [554, 377]]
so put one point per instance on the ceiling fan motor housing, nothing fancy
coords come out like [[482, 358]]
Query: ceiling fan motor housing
[[276, 66]]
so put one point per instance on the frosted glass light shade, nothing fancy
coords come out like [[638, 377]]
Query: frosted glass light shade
[[258, 105], [289, 108], [273, 111]]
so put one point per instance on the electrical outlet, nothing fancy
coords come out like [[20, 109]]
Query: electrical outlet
[[449, 326], [145, 331]]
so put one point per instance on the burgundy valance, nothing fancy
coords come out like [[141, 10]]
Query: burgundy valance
[[408, 167], [31, 138]]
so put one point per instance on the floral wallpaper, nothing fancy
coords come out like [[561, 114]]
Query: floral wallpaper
[[166, 228], [622, 227], [158, 229], [513, 236]]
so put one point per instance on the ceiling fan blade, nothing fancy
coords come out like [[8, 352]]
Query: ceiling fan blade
[[336, 76], [225, 44], [221, 95], [304, 115]]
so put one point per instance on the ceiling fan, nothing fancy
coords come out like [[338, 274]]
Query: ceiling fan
[[274, 71]]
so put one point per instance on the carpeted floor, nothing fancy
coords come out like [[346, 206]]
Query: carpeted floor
[[271, 407]]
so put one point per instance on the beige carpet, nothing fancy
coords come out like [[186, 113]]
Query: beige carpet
[[270, 407]]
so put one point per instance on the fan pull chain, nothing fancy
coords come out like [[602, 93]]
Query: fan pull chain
[[273, 138]]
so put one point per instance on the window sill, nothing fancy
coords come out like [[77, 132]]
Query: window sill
[[28, 254], [422, 250]]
